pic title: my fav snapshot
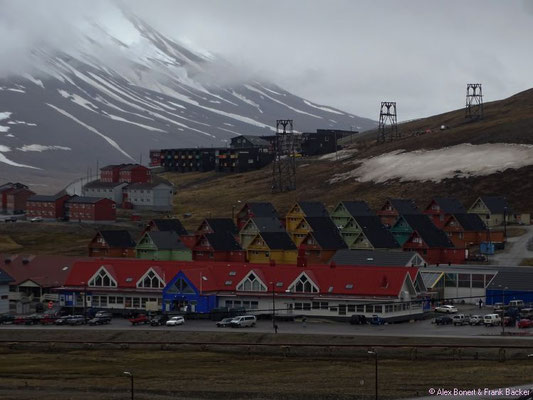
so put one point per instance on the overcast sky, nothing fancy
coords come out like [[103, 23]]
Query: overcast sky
[[345, 53]]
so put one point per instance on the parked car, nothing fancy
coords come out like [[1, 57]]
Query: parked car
[[492, 320], [62, 320], [375, 320], [99, 321], [444, 320], [498, 306], [243, 321], [460, 319], [175, 321], [139, 319], [33, 319], [476, 319], [48, 320], [358, 319], [446, 309], [77, 320], [19, 320], [10, 219], [36, 219], [103, 314], [224, 323], [525, 323], [159, 320], [7, 319], [517, 303]]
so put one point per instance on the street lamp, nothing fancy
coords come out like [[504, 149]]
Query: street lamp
[[127, 373], [375, 354], [503, 308], [273, 308]]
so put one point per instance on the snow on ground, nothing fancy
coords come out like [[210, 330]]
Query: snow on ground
[[461, 161], [5, 115], [36, 81], [322, 108], [40, 147], [341, 155], [5, 160]]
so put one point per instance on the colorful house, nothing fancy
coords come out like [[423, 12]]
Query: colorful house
[[393, 208], [220, 246], [166, 224], [162, 246], [256, 225], [368, 233], [217, 225], [468, 229], [299, 211], [442, 208], [493, 210], [254, 210], [407, 224], [430, 242], [322, 241], [345, 210], [47, 207], [117, 243], [268, 247]]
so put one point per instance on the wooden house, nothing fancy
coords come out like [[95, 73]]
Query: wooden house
[[107, 243], [162, 246], [468, 230], [321, 242], [256, 225], [47, 207], [165, 225], [294, 220], [345, 210], [254, 210], [90, 209], [493, 210], [430, 242], [368, 233], [393, 208], [272, 247], [217, 225], [220, 246], [442, 208]]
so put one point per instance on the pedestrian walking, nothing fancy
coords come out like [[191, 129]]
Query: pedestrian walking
[[276, 328], [304, 321], [480, 303]]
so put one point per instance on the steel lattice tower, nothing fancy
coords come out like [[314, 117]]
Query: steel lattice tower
[[284, 166], [388, 123], [474, 101]]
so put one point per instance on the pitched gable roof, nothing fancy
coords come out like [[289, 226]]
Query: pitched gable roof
[[41, 197], [450, 205], [404, 206], [430, 234], [268, 224], [222, 225], [313, 208], [5, 278], [261, 209], [326, 233], [221, 241], [497, 204], [170, 224], [358, 208], [278, 240], [470, 222], [166, 240], [375, 257], [120, 238], [376, 233]]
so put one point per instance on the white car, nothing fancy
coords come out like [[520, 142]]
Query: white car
[[446, 309], [175, 321], [36, 219]]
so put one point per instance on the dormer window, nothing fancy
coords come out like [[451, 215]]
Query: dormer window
[[303, 285], [102, 279], [151, 280], [252, 284]]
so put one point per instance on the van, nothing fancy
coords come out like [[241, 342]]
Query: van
[[460, 319], [243, 321], [492, 320], [516, 303]]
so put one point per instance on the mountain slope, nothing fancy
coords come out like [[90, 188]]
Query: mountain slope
[[119, 94]]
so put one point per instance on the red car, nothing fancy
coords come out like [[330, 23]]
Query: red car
[[525, 323], [19, 320], [48, 320], [139, 319]]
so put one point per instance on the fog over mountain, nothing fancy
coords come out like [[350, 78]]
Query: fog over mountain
[[109, 89]]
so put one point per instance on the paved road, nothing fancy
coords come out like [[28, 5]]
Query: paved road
[[517, 249]]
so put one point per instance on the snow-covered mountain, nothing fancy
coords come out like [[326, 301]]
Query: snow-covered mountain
[[125, 91]]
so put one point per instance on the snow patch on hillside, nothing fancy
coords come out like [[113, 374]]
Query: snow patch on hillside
[[460, 161], [5, 160], [340, 155], [322, 108], [40, 147]]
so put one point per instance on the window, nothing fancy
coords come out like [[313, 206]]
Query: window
[[464, 280], [112, 300], [96, 301], [151, 280], [389, 308], [136, 302], [324, 305], [103, 301], [316, 305], [351, 307], [360, 308], [369, 308], [102, 279], [120, 300], [378, 309], [477, 281], [254, 305], [251, 284], [303, 285]]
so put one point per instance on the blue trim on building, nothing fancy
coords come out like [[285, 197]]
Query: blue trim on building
[[182, 296], [505, 296]]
